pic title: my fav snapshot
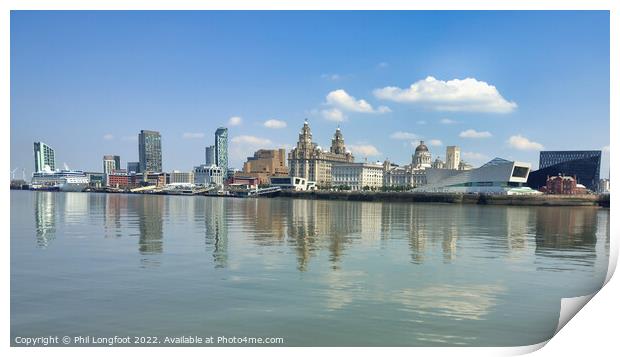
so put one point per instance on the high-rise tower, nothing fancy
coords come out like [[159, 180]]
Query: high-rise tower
[[43, 156], [149, 151], [221, 149]]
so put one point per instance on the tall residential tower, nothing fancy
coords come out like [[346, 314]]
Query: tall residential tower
[[149, 151], [221, 149], [210, 155], [43, 156]]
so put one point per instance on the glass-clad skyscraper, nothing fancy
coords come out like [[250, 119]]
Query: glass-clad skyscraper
[[210, 155], [221, 149], [584, 165], [149, 151], [43, 156]]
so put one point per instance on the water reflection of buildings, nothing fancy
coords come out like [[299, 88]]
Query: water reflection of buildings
[[115, 207], [216, 230], [149, 210], [45, 217], [332, 225], [493, 231], [266, 219], [568, 233]]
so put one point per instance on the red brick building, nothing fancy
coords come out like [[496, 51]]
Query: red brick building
[[563, 185]]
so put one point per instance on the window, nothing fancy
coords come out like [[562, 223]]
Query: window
[[520, 171]]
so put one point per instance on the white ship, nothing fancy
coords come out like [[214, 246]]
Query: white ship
[[61, 180]]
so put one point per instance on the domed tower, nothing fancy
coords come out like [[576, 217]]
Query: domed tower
[[338, 143], [305, 137], [421, 159]]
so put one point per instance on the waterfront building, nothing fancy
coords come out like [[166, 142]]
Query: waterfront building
[[208, 175], [221, 150], [357, 176], [421, 159], [246, 182], [603, 186], [210, 155], [453, 157], [563, 185], [44, 156], [584, 165], [121, 180], [266, 163], [111, 163], [307, 160], [181, 177], [497, 176], [292, 183], [96, 179], [414, 174], [149, 150], [149, 178], [438, 164], [404, 176], [133, 167]]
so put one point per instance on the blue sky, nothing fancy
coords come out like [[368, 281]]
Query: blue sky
[[494, 83]]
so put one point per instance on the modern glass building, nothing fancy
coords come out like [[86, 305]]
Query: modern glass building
[[133, 167], [111, 163], [585, 165], [210, 155], [43, 156], [149, 151], [221, 149], [498, 176]]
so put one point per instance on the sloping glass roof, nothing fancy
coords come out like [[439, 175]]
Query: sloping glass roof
[[496, 161]]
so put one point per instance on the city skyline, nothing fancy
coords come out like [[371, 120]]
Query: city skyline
[[191, 75]]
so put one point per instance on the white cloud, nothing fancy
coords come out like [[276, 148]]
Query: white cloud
[[522, 143], [474, 156], [435, 142], [331, 77], [473, 134], [275, 124], [343, 101], [421, 122], [249, 139], [108, 137], [193, 135], [235, 121], [333, 114], [403, 135], [364, 150], [466, 95], [447, 121]]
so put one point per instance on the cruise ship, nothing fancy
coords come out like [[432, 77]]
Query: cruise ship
[[61, 180]]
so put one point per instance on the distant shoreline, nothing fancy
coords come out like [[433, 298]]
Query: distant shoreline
[[602, 200], [484, 199]]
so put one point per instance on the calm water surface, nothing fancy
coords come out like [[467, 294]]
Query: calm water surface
[[317, 273]]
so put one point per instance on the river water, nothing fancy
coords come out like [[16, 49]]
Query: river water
[[315, 273]]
